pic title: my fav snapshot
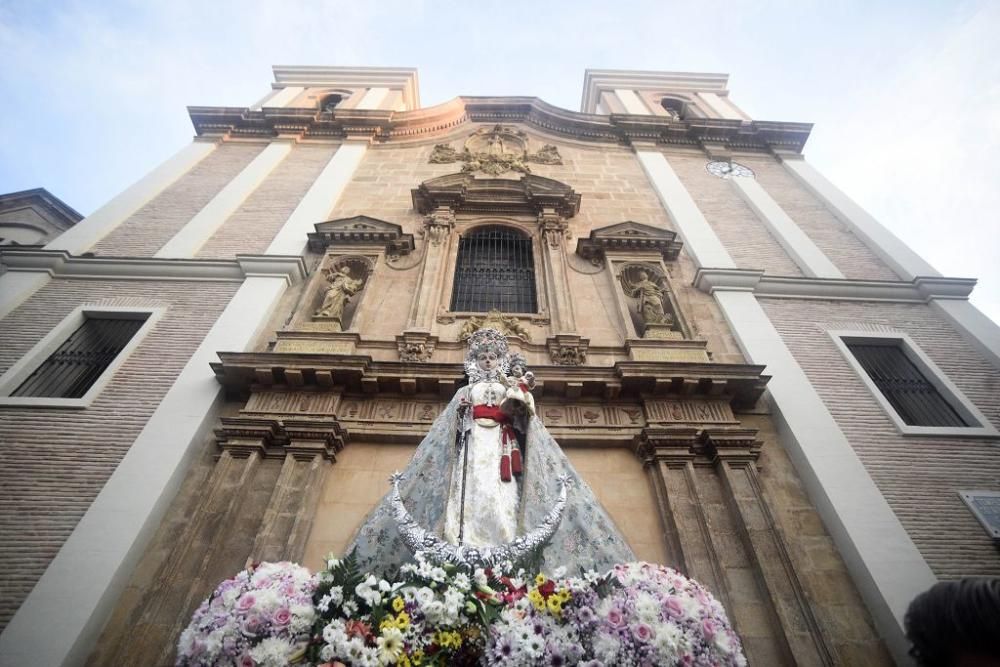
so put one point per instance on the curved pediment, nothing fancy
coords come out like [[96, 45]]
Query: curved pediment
[[464, 193]]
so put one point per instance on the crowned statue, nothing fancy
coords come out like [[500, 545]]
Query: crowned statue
[[488, 473]]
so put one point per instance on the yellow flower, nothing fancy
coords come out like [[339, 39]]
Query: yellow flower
[[418, 656], [456, 639], [540, 579], [404, 661], [564, 595], [398, 604], [555, 605], [387, 622], [403, 620]]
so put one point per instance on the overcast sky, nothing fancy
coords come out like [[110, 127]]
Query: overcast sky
[[905, 95]]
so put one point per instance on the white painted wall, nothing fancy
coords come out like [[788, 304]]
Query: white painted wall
[[283, 97], [632, 102], [17, 286], [319, 200], [884, 562], [192, 236], [65, 612], [700, 241], [719, 106], [883, 243], [797, 244]]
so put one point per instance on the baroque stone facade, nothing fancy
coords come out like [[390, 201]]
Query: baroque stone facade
[[306, 252]]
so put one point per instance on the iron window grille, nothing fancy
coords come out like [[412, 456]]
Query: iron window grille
[[81, 359], [495, 269], [911, 394]]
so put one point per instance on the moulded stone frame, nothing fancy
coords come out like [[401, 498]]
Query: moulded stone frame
[[530, 230], [44, 348], [336, 256], [615, 261], [945, 387]]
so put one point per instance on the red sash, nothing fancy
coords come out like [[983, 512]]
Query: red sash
[[510, 452]]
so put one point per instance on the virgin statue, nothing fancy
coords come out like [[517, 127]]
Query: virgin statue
[[488, 471]]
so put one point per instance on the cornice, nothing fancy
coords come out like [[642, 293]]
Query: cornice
[[383, 126], [59, 263], [244, 372], [920, 290]]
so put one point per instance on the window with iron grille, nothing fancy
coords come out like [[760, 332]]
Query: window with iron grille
[[904, 386], [495, 269], [79, 361]]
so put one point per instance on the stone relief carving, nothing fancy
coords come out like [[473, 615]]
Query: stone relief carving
[[496, 151], [414, 352], [505, 324]]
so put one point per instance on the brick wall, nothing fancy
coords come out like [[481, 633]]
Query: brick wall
[[838, 243], [253, 226], [746, 238], [156, 223], [919, 476], [55, 460]]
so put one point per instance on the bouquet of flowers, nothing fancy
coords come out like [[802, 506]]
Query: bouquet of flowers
[[262, 616], [637, 614], [431, 615]]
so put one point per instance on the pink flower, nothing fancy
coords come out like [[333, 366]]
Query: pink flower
[[708, 628], [246, 602], [246, 661], [672, 607], [642, 632], [282, 616], [615, 617]]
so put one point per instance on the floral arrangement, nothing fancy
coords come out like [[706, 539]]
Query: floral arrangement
[[432, 615], [637, 614], [262, 616]]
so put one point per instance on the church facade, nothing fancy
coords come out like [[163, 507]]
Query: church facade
[[764, 388]]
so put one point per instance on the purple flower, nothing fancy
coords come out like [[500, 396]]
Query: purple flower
[[672, 607]]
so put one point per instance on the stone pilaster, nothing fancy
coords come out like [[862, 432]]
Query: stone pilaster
[[437, 242]]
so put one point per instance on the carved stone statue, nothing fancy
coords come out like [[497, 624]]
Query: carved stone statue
[[650, 296], [342, 287]]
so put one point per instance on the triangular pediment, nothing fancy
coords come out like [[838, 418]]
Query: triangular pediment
[[629, 235], [360, 230]]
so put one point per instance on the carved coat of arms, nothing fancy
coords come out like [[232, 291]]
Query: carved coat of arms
[[496, 151]]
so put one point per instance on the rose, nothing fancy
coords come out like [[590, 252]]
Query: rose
[[246, 661], [282, 617], [246, 602], [673, 607], [708, 628], [615, 617], [642, 632]]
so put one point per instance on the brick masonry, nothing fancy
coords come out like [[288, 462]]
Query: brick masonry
[[845, 250], [55, 460], [156, 223], [253, 226], [919, 476], [749, 243]]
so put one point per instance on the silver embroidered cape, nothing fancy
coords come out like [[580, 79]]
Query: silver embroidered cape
[[587, 537]]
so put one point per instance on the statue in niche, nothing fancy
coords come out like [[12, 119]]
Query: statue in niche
[[638, 285], [488, 473], [342, 286]]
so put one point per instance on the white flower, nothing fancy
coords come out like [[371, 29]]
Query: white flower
[[324, 603], [479, 576], [271, 652], [332, 562], [424, 596], [461, 581], [438, 574], [350, 607], [366, 592], [337, 595], [390, 646]]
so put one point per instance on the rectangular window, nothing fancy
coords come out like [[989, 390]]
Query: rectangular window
[[915, 399], [71, 365], [916, 395], [74, 367]]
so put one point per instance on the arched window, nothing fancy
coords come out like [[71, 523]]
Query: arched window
[[495, 269], [330, 102], [675, 107]]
